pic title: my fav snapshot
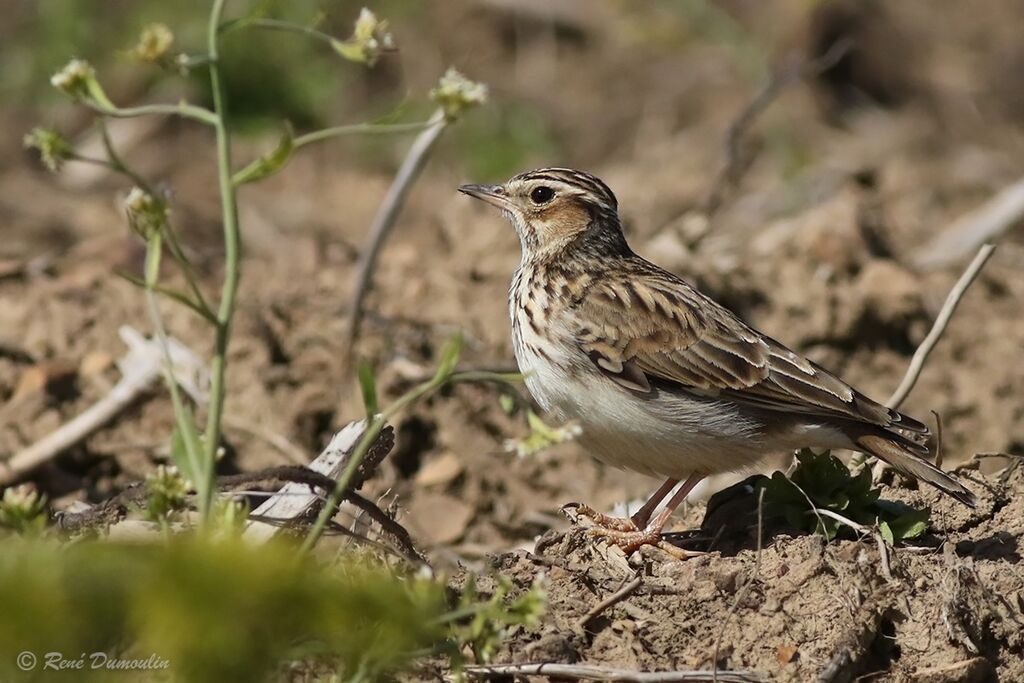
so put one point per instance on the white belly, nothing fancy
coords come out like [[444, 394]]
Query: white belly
[[666, 436]]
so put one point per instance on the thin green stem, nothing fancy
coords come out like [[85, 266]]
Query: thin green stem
[[183, 109], [171, 294], [278, 25], [153, 251], [117, 163], [190, 276], [361, 129], [232, 253], [373, 429]]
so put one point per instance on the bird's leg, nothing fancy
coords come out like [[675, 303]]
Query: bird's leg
[[651, 533], [638, 520], [643, 515]]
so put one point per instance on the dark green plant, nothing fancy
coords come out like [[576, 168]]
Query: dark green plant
[[823, 482]]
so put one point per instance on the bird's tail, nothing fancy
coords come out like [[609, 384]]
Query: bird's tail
[[906, 457]]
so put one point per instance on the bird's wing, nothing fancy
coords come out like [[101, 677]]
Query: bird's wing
[[650, 327]]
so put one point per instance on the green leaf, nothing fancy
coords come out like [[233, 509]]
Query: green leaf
[[368, 387], [449, 357], [172, 294], [186, 446], [271, 162], [903, 520], [353, 52], [886, 531], [507, 403]]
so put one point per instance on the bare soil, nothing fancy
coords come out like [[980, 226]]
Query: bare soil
[[851, 175]]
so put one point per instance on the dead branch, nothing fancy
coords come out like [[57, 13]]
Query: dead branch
[[295, 501], [141, 366], [384, 221], [297, 494], [587, 672], [939, 326], [389, 526], [981, 225], [610, 601]]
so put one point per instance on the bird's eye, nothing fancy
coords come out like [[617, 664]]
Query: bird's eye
[[542, 194]]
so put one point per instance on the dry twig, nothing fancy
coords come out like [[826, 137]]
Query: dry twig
[[587, 672], [140, 368], [384, 221], [287, 507], [941, 321], [611, 600], [736, 162], [921, 354]]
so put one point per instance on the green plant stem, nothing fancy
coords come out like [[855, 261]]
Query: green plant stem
[[183, 109], [373, 429], [278, 25], [153, 252], [361, 129], [173, 295], [242, 177], [232, 255], [117, 164], [201, 305]]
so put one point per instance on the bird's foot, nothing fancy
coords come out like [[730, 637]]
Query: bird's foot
[[631, 541], [599, 520], [623, 532]]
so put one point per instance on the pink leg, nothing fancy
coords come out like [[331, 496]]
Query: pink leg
[[659, 522], [643, 515]]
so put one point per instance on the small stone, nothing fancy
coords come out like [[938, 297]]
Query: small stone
[[440, 470], [438, 518], [95, 363], [787, 653]]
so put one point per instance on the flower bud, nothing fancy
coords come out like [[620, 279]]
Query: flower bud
[[74, 78], [370, 38], [22, 508], [53, 148], [147, 215], [166, 492], [455, 93], [154, 44]]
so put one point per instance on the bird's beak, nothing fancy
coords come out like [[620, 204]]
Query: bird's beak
[[492, 194]]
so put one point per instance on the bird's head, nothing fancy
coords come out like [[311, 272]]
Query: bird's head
[[554, 209]]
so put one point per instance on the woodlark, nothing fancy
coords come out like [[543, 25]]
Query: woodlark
[[661, 379]]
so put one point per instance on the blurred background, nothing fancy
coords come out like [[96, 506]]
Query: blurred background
[[886, 123]]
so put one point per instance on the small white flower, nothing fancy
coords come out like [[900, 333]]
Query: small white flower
[[74, 78], [456, 93]]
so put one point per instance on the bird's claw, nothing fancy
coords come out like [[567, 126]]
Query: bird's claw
[[631, 541], [602, 521]]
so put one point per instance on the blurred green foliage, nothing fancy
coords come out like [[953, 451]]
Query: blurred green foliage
[[490, 618], [214, 610], [271, 77]]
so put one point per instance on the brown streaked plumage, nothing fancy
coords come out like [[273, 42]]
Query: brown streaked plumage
[[661, 378]]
